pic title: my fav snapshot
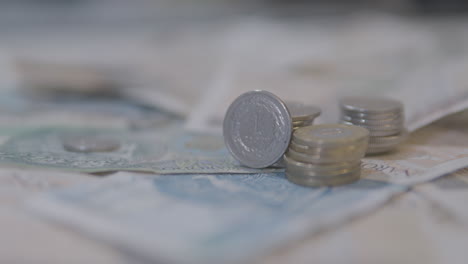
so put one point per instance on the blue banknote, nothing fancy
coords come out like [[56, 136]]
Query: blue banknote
[[207, 218], [19, 113], [164, 150]]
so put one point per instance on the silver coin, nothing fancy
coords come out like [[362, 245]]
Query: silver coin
[[373, 122], [396, 127], [334, 152], [388, 140], [303, 123], [378, 132], [330, 134], [374, 105], [89, 143], [331, 181], [301, 111], [257, 129], [372, 150], [297, 125], [371, 116], [327, 168], [319, 174], [326, 158]]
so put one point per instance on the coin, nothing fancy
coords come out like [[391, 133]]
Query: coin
[[323, 174], [292, 163], [374, 122], [330, 152], [301, 111], [257, 129], [388, 140], [325, 158], [358, 115], [381, 131], [371, 105], [379, 150], [89, 143], [330, 135], [299, 124], [302, 123], [330, 181], [376, 128]]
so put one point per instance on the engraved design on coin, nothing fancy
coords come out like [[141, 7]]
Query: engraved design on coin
[[257, 129]]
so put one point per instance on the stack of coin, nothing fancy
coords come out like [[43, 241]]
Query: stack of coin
[[325, 155], [302, 114], [384, 118]]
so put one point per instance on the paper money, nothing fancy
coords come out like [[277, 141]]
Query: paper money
[[20, 113], [21, 232], [411, 228], [318, 68], [206, 218], [23, 241], [216, 218], [167, 150], [170, 150], [451, 192], [17, 184]]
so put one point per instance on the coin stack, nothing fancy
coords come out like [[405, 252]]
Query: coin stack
[[383, 117], [326, 155], [302, 114]]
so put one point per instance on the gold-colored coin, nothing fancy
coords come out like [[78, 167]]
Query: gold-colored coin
[[330, 135], [319, 182]]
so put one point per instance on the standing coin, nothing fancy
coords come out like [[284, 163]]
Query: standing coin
[[257, 129]]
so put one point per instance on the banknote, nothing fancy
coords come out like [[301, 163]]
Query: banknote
[[16, 184], [206, 218], [245, 216], [409, 229], [22, 233], [165, 150], [24, 236], [170, 150], [451, 192], [319, 65], [20, 113]]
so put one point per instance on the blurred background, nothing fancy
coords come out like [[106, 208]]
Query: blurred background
[[99, 46], [169, 55]]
